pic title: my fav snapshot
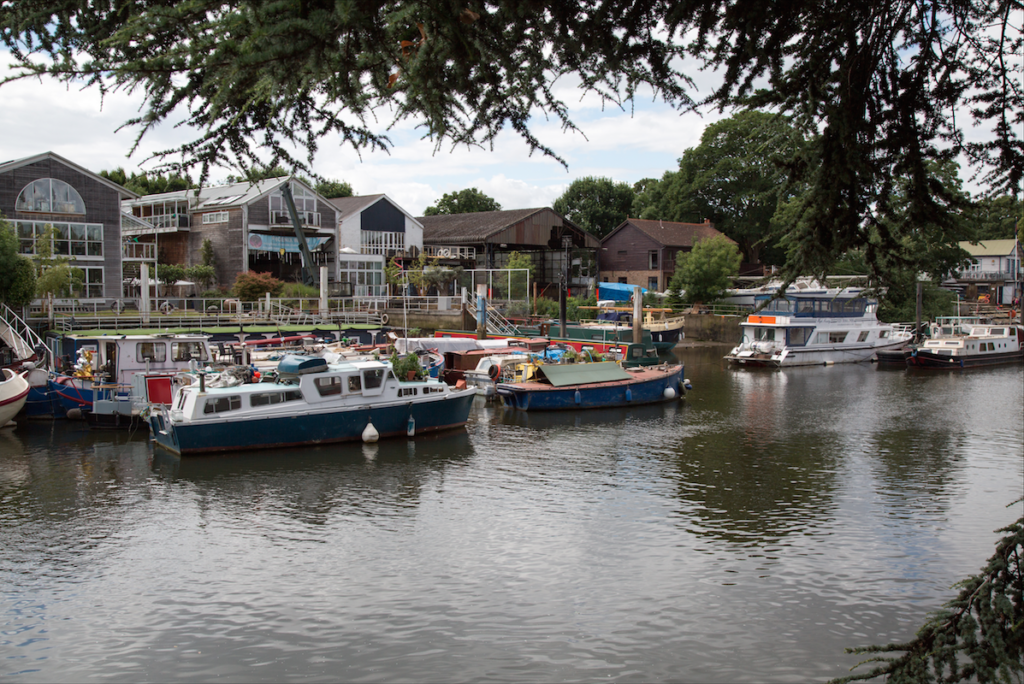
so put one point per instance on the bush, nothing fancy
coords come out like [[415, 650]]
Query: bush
[[252, 285], [300, 291]]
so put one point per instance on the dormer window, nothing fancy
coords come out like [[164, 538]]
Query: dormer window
[[50, 196]]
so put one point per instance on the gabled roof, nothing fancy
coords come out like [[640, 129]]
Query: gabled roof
[[990, 248], [670, 233], [122, 191], [350, 206], [478, 227]]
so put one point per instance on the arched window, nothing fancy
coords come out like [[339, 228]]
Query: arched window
[[50, 196]]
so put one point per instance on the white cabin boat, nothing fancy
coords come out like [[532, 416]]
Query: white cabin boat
[[815, 327], [984, 345]]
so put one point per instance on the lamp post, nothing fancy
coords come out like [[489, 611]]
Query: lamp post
[[563, 285]]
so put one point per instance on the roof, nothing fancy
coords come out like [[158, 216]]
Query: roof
[[221, 196], [670, 233], [561, 375], [18, 163], [990, 248], [479, 227], [347, 206]]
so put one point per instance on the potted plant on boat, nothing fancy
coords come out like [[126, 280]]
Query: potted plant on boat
[[406, 367]]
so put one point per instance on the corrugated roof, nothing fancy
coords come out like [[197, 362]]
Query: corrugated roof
[[472, 228], [583, 373], [670, 233], [990, 248]]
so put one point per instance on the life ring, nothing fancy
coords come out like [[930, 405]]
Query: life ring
[[493, 372], [383, 319], [167, 307], [117, 306]]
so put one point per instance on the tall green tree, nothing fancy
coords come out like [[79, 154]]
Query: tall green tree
[[597, 205], [150, 183], [735, 177], [706, 272], [17, 272], [995, 218], [888, 86], [331, 188], [467, 201]]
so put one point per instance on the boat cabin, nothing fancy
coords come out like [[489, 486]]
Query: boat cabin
[[121, 357]]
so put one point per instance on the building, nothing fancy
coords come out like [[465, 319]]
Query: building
[[994, 272], [484, 240], [248, 226], [84, 210], [642, 252]]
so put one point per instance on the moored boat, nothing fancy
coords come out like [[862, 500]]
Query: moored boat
[[13, 393], [604, 384], [310, 402], [815, 327], [984, 345]]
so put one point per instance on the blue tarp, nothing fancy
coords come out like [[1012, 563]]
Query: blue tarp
[[620, 292]]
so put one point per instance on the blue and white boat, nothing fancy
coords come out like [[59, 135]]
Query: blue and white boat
[[309, 402], [604, 384]]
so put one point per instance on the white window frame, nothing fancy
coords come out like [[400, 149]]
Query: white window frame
[[215, 217]]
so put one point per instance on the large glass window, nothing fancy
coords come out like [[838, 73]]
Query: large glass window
[[81, 240], [151, 351], [365, 273], [305, 205], [50, 196], [380, 242]]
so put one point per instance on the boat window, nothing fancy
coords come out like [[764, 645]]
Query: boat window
[[782, 305], [837, 337], [883, 334], [821, 338], [407, 391], [998, 331], [798, 336], [184, 351], [805, 306], [355, 384], [267, 398], [328, 386], [822, 307], [181, 400], [863, 337], [764, 334], [151, 351], [222, 404], [374, 378]]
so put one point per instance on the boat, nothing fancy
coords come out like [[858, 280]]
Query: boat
[[665, 331], [115, 360], [983, 345], [815, 326], [604, 384], [308, 402], [13, 393]]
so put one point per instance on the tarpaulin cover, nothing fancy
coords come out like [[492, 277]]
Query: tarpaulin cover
[[620, 292]]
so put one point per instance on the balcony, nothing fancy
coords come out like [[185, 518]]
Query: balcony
[[450, 252], [138, 251], [283, 218]]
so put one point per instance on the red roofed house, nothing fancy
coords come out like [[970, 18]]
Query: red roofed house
[[643, 253]]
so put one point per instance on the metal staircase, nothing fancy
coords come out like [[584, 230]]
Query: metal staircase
[[496, 323], [16, 333]]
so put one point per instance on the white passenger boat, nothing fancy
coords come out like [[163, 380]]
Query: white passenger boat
[[815, 327], [13, 393], [984, 345], [309, 402]]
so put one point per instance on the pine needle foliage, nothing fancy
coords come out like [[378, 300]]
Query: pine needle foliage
[[978, 636], [886, 87]]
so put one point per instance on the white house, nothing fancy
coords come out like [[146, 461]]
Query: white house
[[995, 270]]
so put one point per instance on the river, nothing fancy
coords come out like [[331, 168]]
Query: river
[[747, 534]]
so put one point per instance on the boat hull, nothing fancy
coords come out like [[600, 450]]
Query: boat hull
[[920, 358], [13, 393], [648, 386], [311, 427], [792, 358]]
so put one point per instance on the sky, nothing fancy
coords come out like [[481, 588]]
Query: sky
[[627, 146]]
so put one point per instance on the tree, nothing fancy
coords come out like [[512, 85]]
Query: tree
[[251, 285], [976, 636], [735, 177], [995, 218], [54, 274], [168, 274], [466, 201], [706, 271], [597, 205], [17, 273], [149, 183], [888, 86], [393, 273], [331, 188], [202, 275], [520, 281]]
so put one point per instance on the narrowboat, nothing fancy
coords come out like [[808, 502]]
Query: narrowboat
[[604, 384]]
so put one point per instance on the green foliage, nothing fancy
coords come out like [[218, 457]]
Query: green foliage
[[17, 273], [976, 637], [209, 258], [899, 302], [149, 183], [735, 177], [252, 285], [168, 274], [258, 172], [466, 201], [520, 281], [995, 218], [201, 274], [597, 205], [402, 365], [300, 291], [706, 272], [393, 272], [54, 274], [331, 188]]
